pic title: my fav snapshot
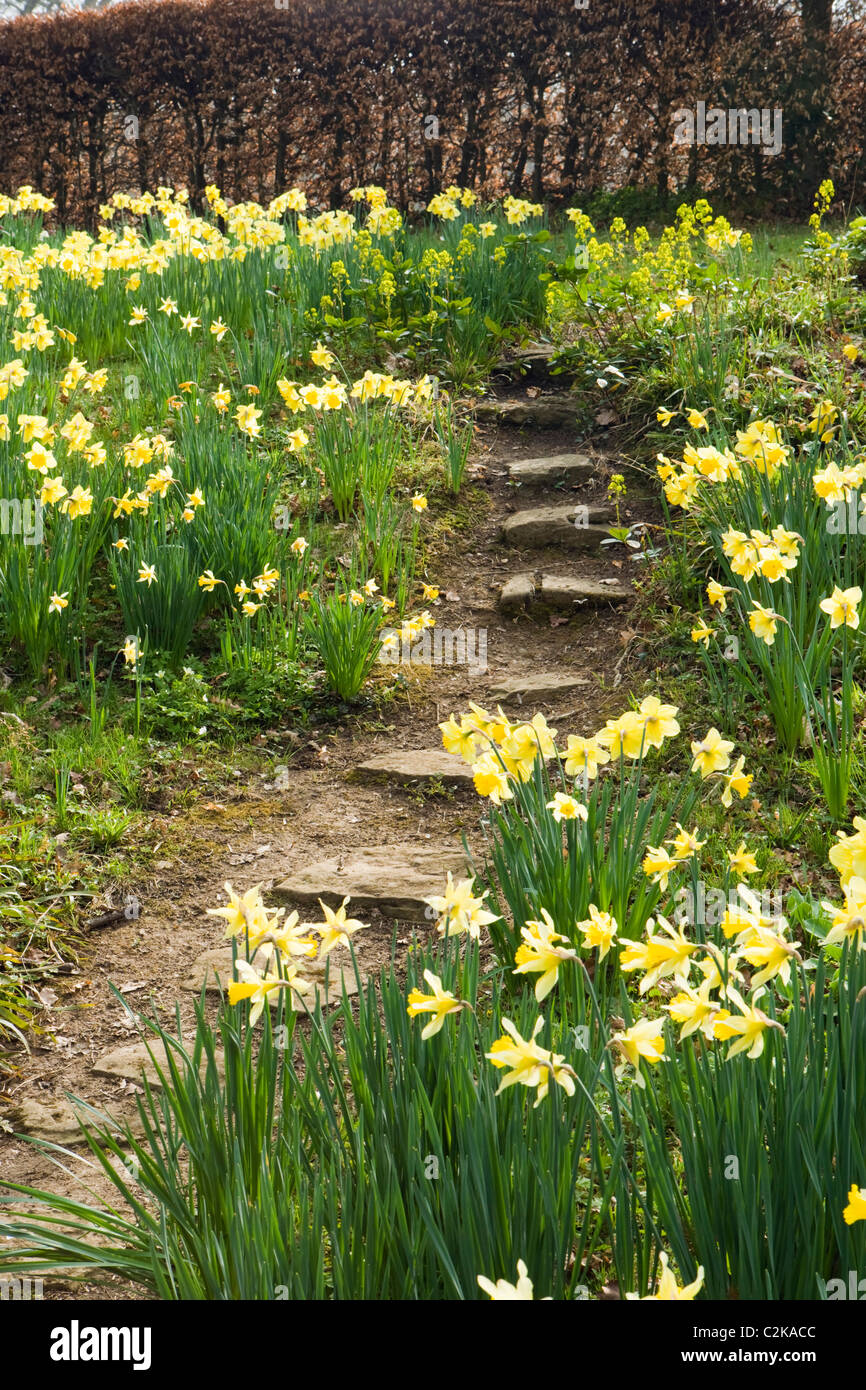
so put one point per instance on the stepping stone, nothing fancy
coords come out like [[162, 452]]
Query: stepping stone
[[545, 686], [544, 412], [134, 1062], [557, 468], [213, 969], [517, 593], [393, 878], [558, 591], [54, 1121], [578, 527], [416, 765], [563, 591], [532, 363]]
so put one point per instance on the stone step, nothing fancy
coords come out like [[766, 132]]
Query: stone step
[[213, 969], [141, 1059], [405, 767], [558, 591], [531, 363], [544, 686], [54, 1121], [396, 879], [577, 526], [543, 412], [552, 469]]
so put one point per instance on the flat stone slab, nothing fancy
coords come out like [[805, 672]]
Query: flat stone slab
[[517, 593], [416, 765], [550, 685], [556, 468], [562, 591], [396, 879], [558, 591], [54, 1121], [133, 1062], [544, 412], [577, 526], [213, 970]]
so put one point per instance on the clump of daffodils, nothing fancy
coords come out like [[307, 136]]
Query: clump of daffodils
[[282, 946]]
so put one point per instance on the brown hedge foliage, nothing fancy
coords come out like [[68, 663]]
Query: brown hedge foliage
[[537, 97]]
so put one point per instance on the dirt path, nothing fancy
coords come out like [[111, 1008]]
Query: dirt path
[[268, 833]]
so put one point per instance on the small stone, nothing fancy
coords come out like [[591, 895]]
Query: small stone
[[518, 593], [396, 879], [544, 686], [416, 765], [575, 526], [536, 472]]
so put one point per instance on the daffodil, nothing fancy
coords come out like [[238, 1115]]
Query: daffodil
[[694, 1009], [737, 781], [711, 754], [763, 622], [527, 1064], [247, 417], [856, 1208], [58, 602], [663, 954], [599, 931], [848, 922], [668, 1290], [685, 843], [502, 1291], [658, 865], [458, 910], [245, 912], [147, 575], [643, 1039], [848, 855], [664, 416], [742, 861], [564, 807], [321, 357], [842, 607], [257, 987], [659, 721], [337, 928], [539, 955], [697, 420], [749, 1026], [584, 756], [440, 1003], [716, 594]]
